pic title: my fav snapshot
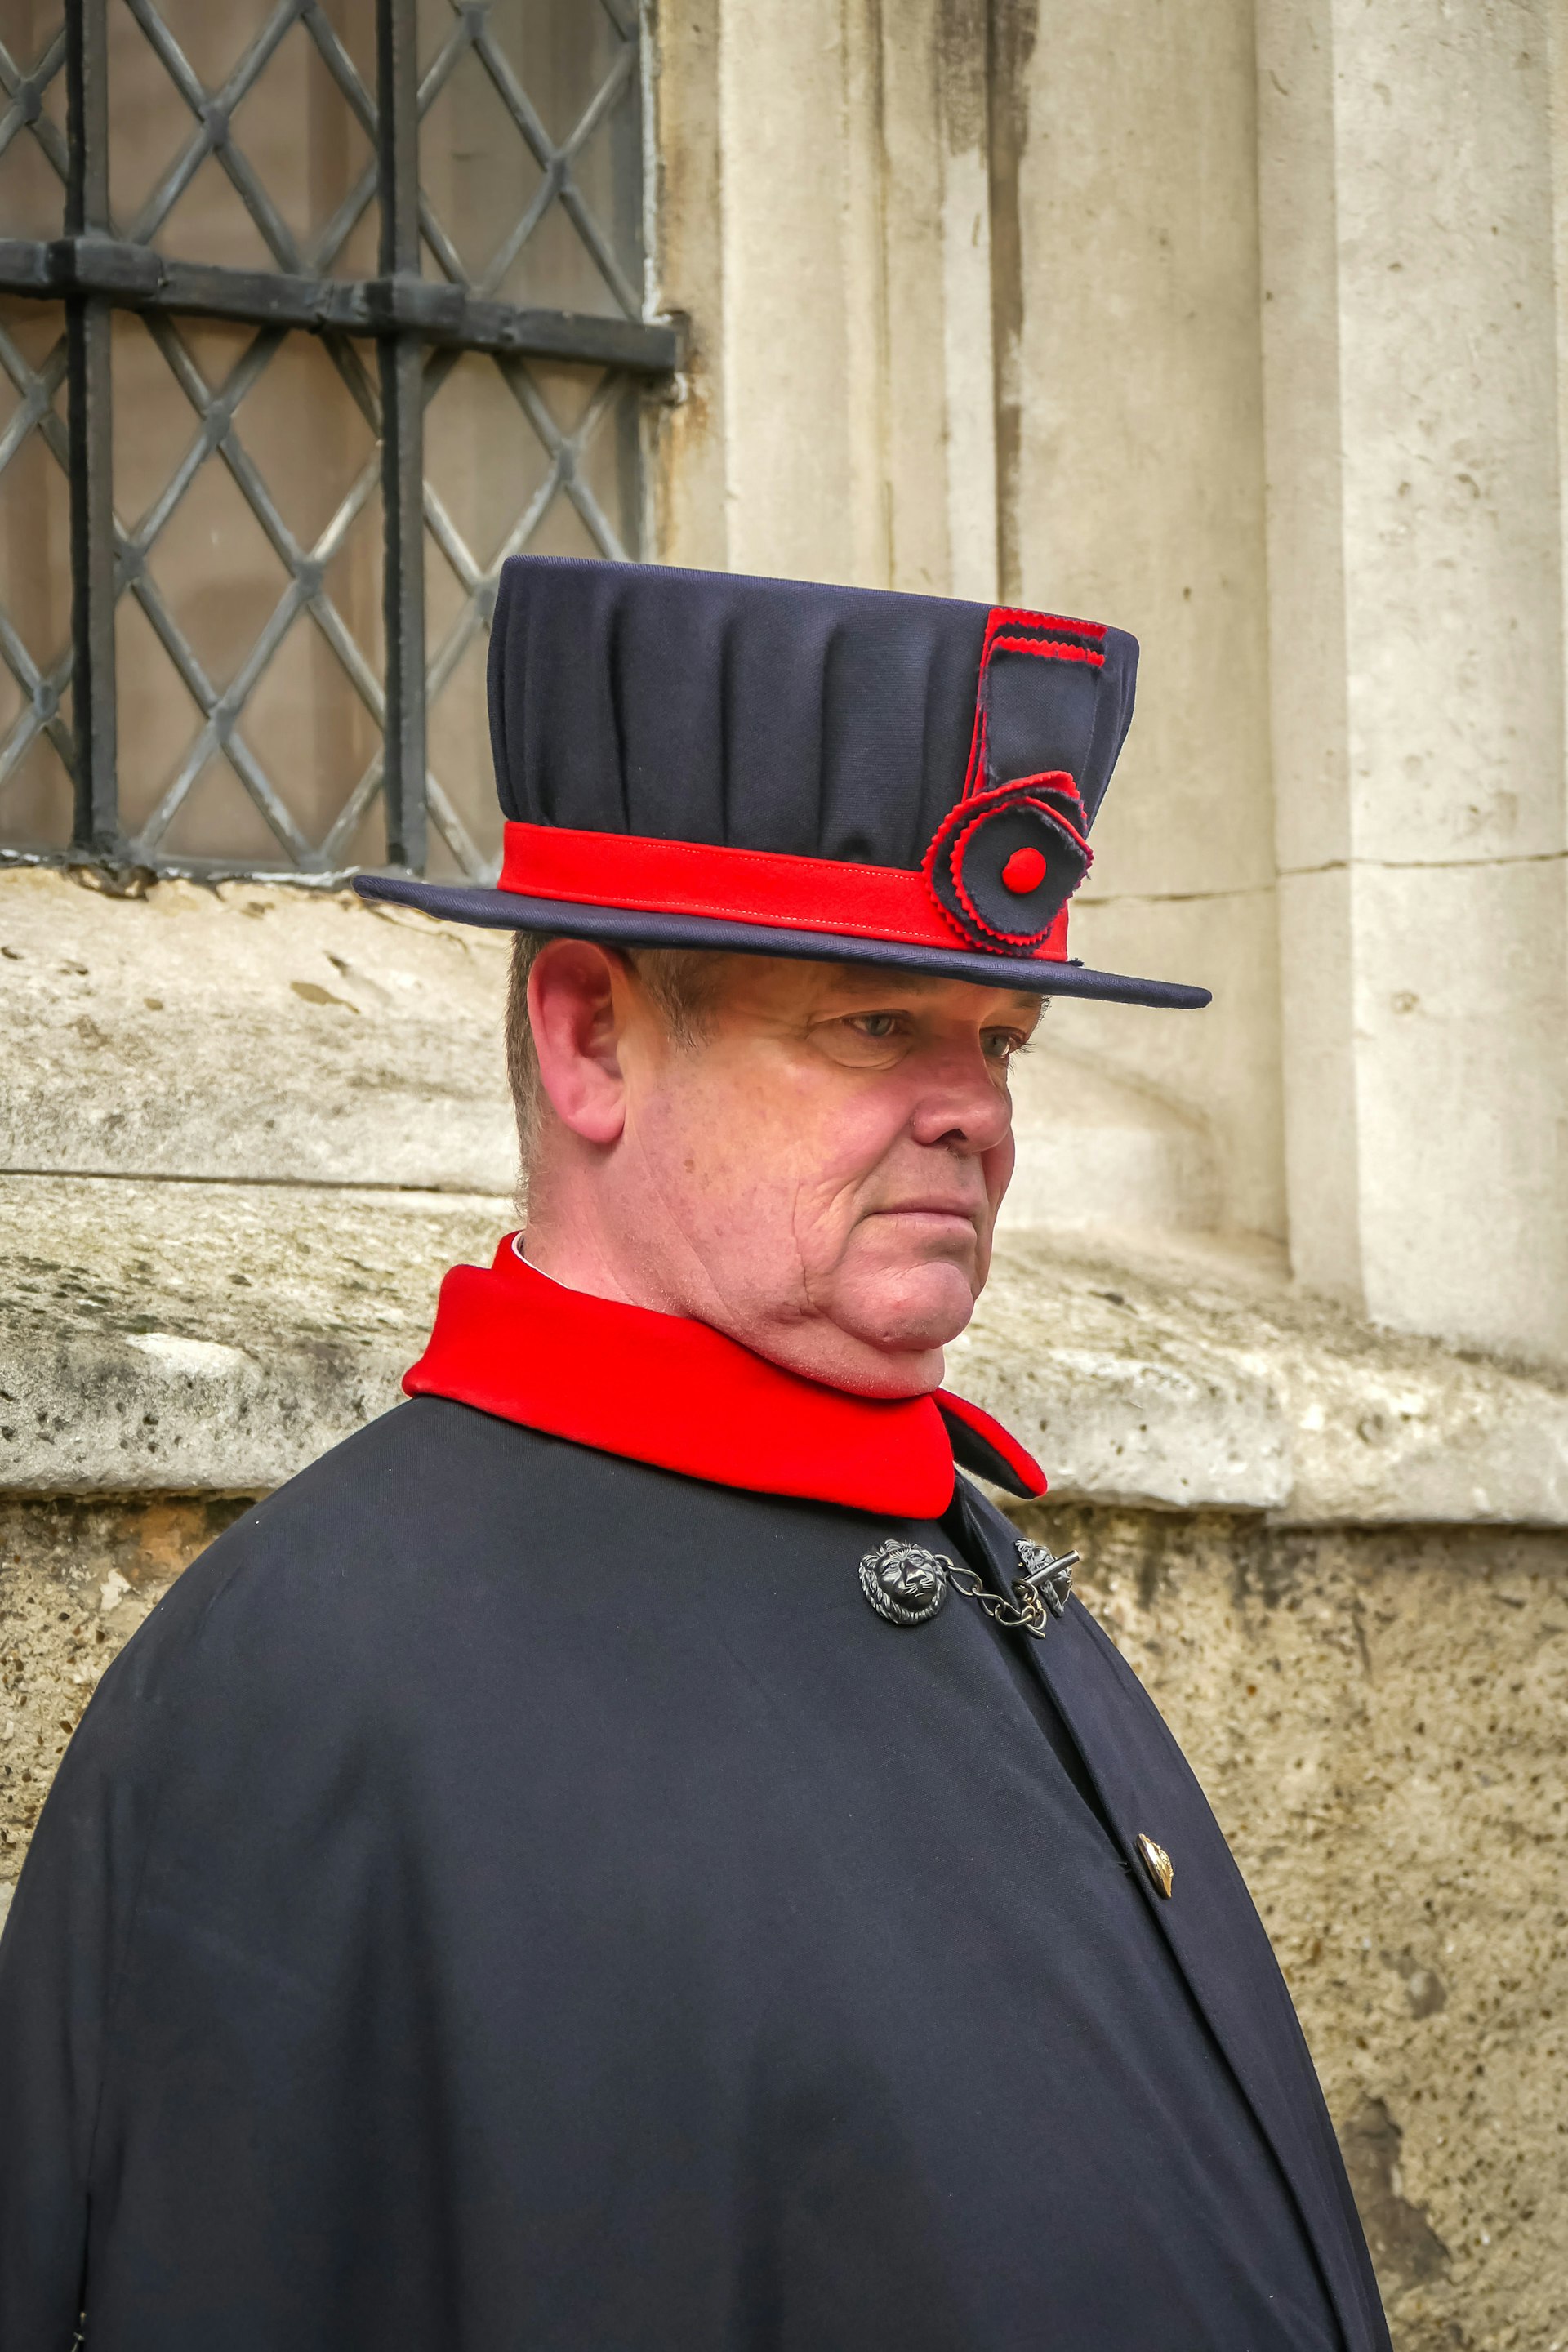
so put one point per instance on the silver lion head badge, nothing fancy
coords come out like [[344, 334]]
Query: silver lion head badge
[[904, 1584]]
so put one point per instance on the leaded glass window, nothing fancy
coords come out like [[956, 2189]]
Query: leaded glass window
[[312, 312]]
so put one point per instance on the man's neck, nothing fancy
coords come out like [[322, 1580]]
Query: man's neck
[[573, 1269]]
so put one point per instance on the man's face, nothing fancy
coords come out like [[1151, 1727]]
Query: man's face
[[820, 1174]]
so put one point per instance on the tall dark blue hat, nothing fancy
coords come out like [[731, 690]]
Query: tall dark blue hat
[[688, 759]]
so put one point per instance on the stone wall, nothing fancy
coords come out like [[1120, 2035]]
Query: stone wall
[[1378, 1718]]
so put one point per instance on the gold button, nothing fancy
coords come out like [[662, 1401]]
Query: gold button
[[1157, 1863]]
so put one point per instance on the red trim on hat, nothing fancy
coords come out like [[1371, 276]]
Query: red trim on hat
[[1001, 615], [999, 621], [678, 1394], [1048, 648], [738, 886]]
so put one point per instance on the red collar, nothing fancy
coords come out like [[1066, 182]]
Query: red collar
[[661, 1389]]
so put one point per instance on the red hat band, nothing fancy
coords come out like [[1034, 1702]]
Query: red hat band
[[768, 889]]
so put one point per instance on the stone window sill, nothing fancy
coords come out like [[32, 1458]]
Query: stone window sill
[[190, 1337]]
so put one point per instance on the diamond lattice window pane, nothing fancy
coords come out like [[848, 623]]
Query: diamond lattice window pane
[[213, 40], [247, 626], [485, 465], [531, 159], [35, 579], [218, 822], [519, 457], [244, 135], [32, 118], [480, 177]]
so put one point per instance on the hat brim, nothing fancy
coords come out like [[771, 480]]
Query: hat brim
[[507, 910]]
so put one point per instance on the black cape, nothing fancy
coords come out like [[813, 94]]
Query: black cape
[[508, 1897]]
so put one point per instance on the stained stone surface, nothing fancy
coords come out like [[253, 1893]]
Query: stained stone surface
[[203, 1337], [257, 1035], [77, 1577], [1185, 1374]]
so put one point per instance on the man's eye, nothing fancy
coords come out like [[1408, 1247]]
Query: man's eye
[[876, 1024], [1001, 1044]]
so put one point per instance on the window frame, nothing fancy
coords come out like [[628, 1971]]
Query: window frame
[[93, 272]]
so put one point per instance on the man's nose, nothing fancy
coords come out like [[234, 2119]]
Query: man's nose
[[962, 1105]]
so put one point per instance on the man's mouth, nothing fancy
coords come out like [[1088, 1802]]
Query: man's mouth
[[940, 1215]]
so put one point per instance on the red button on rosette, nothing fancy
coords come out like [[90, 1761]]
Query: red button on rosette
[[1025, 871]]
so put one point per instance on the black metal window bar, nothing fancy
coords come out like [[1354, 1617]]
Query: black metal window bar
[[394, 339]]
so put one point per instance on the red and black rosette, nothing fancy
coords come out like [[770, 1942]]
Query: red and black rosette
[[1004, 862]]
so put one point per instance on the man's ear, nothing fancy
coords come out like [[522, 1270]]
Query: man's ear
[[575, 1009]]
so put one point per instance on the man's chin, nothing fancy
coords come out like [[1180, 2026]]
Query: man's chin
[[883, 1338], [917, 1312]]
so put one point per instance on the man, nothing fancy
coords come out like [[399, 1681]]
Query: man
[[630, 1853]]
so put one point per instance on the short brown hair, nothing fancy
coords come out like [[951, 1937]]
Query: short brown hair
[[682, 981]]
